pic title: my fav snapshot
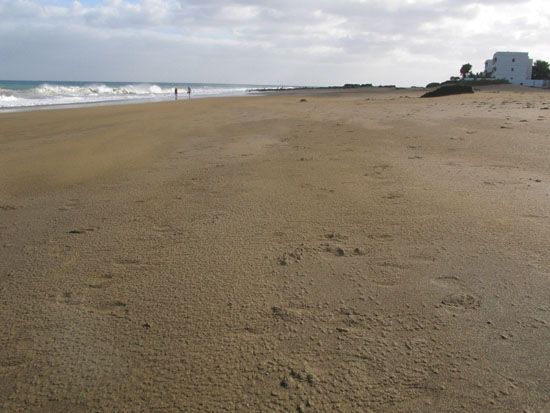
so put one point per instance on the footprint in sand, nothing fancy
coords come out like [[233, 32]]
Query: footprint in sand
[[535, 216], [461, 301], [340, 251], [81, 231], [100, 281], [7, 208], [70, 205], [127, 261], [68, 298], [335, 236], [359, 251], [115, 308], [447, 281], [296, 378], [381, 237], [292, 257], [388, 273], [380, 169], [97, 285], [284, 314], [393, 195], [421, 259]]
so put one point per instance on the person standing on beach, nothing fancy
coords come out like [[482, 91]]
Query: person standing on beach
[[189, 91], [176, 93]]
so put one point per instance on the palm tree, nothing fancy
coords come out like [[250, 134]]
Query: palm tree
[[465, 69]]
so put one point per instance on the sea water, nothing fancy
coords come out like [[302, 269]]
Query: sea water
[[22, 95]]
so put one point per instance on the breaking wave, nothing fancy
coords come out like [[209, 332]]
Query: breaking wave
[[47, 94]]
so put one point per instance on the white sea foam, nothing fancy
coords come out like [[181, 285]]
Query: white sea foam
[[48, 94], [8, 98]]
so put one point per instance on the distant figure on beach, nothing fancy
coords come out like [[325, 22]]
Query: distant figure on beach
[[176, 93], [189, 91]]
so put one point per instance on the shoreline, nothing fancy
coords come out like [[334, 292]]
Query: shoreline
[[24, 95], [314, 91], [114, 103], [250, 93]]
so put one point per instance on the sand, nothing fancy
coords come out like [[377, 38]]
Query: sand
[[361, 251]]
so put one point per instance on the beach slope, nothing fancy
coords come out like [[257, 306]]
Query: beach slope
[[365, 251]]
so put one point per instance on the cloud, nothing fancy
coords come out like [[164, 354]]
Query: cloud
[[263, 41]]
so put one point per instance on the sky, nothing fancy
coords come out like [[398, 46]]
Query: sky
[[269, 42]]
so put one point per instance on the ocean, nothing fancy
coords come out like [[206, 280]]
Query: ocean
[[24, 95]]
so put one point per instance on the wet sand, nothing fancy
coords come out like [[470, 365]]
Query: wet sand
[[365, 251]]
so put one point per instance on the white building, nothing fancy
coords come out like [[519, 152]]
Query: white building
[[516, 67]]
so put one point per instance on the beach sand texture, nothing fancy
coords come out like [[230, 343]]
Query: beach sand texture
[[362, 251]]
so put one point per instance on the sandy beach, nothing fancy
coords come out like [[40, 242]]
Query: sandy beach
[[359, 251]]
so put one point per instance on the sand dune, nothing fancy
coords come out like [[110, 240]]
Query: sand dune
[[364, 251]]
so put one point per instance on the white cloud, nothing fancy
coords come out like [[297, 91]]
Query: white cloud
[[263, 41]]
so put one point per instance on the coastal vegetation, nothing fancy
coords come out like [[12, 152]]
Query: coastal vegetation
[[477, 81], [465, 70], [541, 70]]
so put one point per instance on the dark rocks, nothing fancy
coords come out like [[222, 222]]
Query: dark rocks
[[449, 90]]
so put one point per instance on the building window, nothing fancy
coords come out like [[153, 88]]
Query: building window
[[514, 59]]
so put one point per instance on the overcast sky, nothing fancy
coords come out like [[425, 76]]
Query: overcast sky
[[291, 42]]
